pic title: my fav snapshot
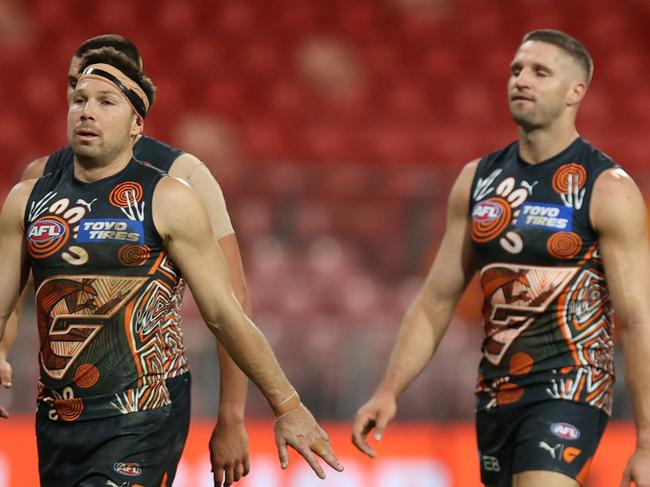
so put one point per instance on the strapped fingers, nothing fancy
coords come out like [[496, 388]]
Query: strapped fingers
[[306, 453], [323, 449]]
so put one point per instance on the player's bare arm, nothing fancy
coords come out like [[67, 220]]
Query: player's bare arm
[[183, 223], [619, 216], [229, 442], [12, 259], [33, 170], [428, 317]]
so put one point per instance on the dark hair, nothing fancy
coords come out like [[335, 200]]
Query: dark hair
[[109, 55], [568, 44], [116, 41]]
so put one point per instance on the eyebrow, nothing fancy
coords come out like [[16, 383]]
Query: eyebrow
[[100, 93], [536, 66]]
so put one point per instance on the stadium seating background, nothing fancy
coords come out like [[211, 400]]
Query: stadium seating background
[[336, 129]]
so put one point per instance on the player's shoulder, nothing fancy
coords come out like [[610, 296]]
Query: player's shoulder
[[173, 190], [16, 200], [59, 160], [51, 163], [34, 169], [501, 154], [595, 156], [497, 158], [156, 152]]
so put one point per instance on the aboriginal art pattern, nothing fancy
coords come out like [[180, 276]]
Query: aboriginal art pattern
[[547, 314], [175, 360]]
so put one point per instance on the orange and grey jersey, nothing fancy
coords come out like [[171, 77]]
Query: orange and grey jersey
[[161, 156], [548, 319], [104, 290]]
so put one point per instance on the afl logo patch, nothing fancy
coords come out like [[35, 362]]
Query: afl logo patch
[[490, 218], [486, 212], [46, 236], [565, 431], [130, 469]]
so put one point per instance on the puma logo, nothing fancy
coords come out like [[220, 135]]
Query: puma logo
[[529, 186], [86, 204], [551, 450]]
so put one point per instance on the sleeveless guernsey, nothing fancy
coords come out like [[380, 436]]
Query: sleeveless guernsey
[[161, 156], [548, 319], [104, 289]]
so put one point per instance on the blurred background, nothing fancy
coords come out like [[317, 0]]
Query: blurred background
[[336, 129]]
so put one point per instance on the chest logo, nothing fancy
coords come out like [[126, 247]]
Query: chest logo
[[569, 182], [92, 230], [46, 236], [545, 216], [490, 218], [128, 198], [52, 222]]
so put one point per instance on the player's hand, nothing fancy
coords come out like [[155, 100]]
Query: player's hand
[[229, 452], [638, 469], [5, 381], [299, 430], [375, 414]]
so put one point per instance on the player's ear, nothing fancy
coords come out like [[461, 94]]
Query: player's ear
[[137, 125], [577, 92]]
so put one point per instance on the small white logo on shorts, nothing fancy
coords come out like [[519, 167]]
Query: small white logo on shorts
[[490, 464], [565, 431], [130, 469], [551, 450]]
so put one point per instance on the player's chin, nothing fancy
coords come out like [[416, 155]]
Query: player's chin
[[524, 118], [85, 149]]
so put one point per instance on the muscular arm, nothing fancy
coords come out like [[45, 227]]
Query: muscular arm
[[33, 170], [233, 384], [183, 222], [12, 258], [619, 216], [229, 441], [428, 317]]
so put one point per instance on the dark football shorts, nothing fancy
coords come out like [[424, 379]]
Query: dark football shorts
[[122, 450], [180, 392], [554, 435]]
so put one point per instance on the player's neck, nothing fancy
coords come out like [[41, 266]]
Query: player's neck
[[538, 145], [91, 170]]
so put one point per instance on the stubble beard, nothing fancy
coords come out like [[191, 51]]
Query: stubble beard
[[95, 157]]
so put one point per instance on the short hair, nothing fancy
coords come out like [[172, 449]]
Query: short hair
[[110, 55], [568, 44], [116, 41]]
